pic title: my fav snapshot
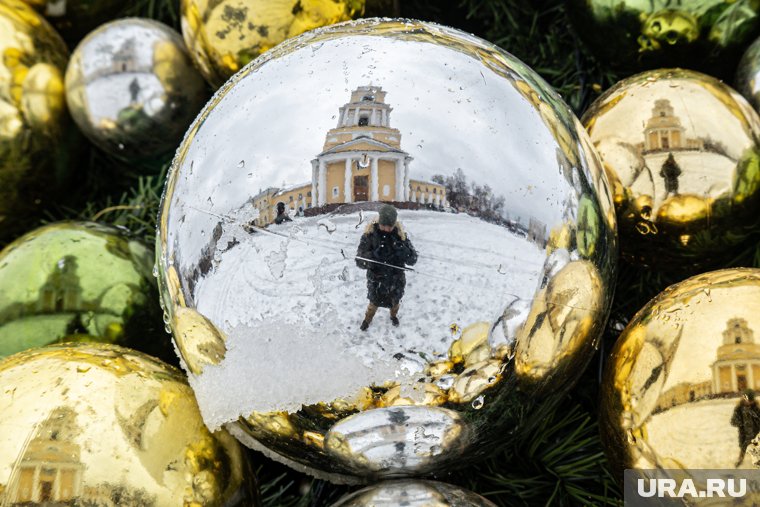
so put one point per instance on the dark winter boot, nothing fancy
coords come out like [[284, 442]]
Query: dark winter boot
[[394, 314], [364, 325]]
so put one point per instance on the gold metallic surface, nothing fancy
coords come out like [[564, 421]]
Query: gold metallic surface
[[95, 424], [79, 281], [132, 88], [681, 151], [674, 387], [638, 34], [413, 493], [223, 36], [73, 19], [34, 125], [502, 309]]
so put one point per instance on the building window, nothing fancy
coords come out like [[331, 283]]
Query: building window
[[363, 121], [386, 190], [368, 98], [665, 141], [418, 188], [308, 194], [291, 198], [335, 191], [435, 190], [300, 197]]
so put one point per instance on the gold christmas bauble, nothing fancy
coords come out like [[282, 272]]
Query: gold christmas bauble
[[413, 493], [681, 151], [357, 284], [708, 35], [678, 388], [75, 18], [748, 75], [223, 36], [79, 281], [132, 88], [34, 126], [93, 424]]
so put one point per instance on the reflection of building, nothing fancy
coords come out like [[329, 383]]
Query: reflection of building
[[664, 132], [361, 160], [61, 292], [49, 468], [736, 369], [738, 365]]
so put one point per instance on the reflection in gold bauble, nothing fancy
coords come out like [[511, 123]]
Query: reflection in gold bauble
[[94, 424], [674, 385], [223, 36], [75, 18], [681, 150], [645, 34], [34, 125], [132, 88], [79, 281]]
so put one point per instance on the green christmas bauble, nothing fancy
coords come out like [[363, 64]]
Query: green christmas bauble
[[708, 35], [79, 281]]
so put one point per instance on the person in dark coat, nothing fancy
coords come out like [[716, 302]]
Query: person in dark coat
[[384, 251], [746, 418], [282, 215], [670, 171]]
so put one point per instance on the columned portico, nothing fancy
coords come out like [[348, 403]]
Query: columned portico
[[322, 187], [373, 180]]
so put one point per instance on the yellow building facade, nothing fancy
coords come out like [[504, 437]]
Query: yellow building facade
[[49, 467], [361, 160], [664, 132]]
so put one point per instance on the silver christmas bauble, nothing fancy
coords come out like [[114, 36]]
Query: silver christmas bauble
[[132, 88], [413, 493], [384, 247]]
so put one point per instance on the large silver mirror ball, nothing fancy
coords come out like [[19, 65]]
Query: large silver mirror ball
[[132, 88], [384, 247], [413, 493]]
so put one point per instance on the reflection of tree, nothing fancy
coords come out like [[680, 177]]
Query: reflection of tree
[[473, 198]]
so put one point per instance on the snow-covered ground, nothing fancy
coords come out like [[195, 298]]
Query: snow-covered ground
[[291, 300], [698, 435]]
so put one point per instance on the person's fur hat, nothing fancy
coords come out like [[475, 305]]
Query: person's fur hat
[[388, 215]]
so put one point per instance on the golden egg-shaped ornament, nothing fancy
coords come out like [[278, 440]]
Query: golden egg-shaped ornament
[[681, 151], [356, 286], [74, 19], [645, 34], [413, 493], [97, 424], [35, 129], [678, 387], [132, 88], [79, 281], [223, 36]]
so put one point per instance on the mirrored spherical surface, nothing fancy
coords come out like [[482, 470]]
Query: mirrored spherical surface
[[641, 34], [678, 390], [75, 18], [380, 245], [224, 35], [79, 281], [413, 493], [33, 118], [132, 88], [682, 155], [102, 425]]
